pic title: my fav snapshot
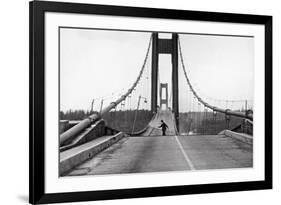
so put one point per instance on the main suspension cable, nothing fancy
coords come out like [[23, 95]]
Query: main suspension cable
[[225, 111]]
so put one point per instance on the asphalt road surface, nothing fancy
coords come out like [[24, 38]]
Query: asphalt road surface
[[168, 153]]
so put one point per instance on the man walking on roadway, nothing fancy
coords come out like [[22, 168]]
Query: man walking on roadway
[[164, 126]]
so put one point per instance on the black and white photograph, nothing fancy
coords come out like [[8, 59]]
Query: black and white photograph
[[135, 101], [131, 102]]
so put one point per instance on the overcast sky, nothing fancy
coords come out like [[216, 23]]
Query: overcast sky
[[99, 64]]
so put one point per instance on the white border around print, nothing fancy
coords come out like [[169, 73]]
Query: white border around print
[[54, 184]]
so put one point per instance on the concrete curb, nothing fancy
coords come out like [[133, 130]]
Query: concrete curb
[[239, 136], [77, 155]]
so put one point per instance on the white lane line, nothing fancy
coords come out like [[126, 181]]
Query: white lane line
[[187, 159]]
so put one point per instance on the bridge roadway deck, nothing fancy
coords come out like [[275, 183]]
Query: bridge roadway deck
[[168, 153], [153, 126]]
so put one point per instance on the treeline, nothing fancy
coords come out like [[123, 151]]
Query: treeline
[[119, 120], [74, 114], [189, 123], [205, 123], [125, 120]]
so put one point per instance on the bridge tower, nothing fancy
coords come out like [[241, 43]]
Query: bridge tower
[[165, 46], [164, 101]]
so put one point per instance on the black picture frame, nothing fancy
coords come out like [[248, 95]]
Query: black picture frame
[[37, 11]]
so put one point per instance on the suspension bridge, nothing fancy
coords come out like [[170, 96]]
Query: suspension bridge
[[212, 134]]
